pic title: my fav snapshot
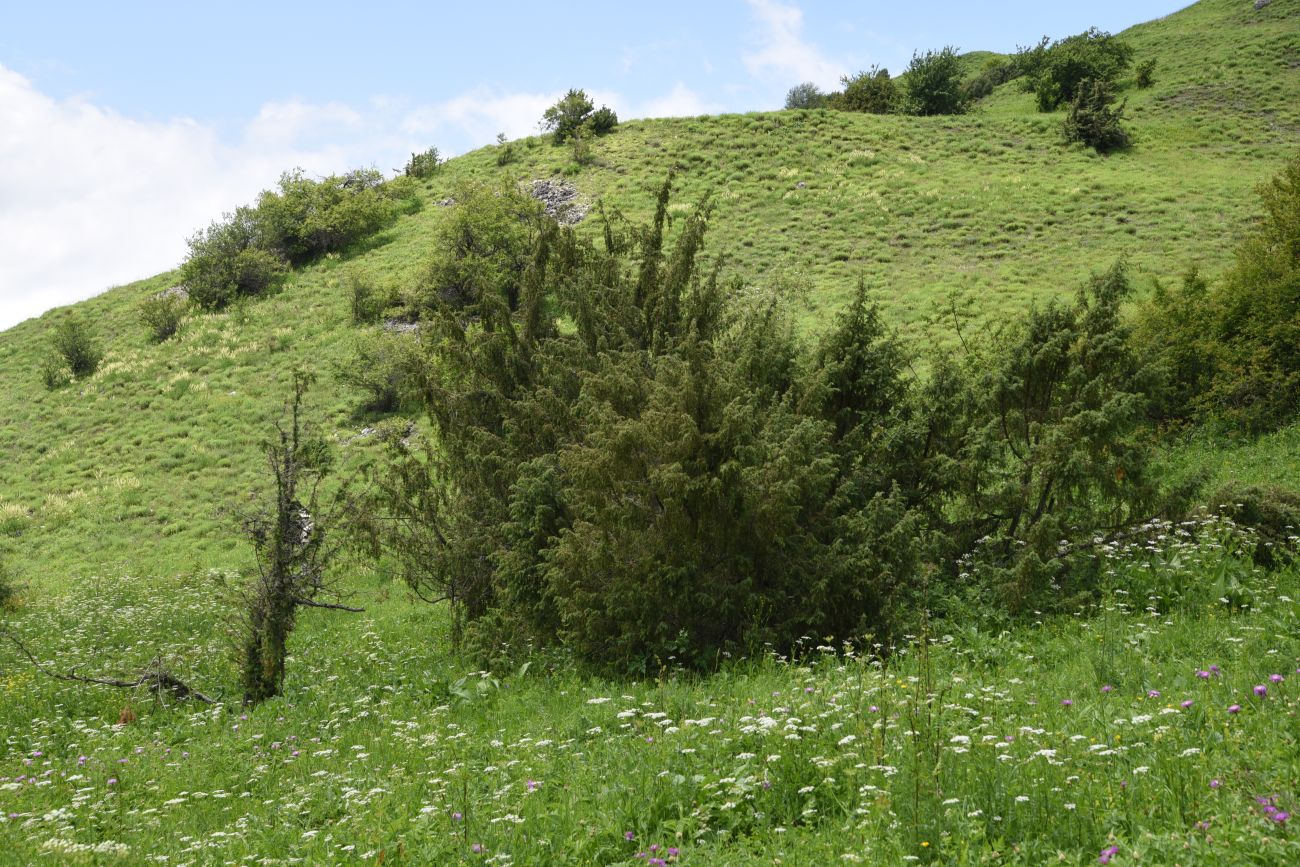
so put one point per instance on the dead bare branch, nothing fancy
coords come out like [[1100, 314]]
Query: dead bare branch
[[333, 606], [156, 678]]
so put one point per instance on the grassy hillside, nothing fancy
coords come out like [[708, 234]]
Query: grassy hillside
[[1047, 744], [112, 494], [126, 470]]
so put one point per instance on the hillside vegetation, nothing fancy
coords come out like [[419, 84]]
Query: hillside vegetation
[[121, 492]]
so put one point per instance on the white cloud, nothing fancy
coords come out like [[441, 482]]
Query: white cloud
[[782, 51], [90, 198], [681, 101], [480, 114]]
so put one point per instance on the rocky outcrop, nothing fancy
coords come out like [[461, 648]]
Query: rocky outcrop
[[560, 200]]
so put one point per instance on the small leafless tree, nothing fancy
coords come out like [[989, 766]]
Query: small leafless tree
[[288, 533]]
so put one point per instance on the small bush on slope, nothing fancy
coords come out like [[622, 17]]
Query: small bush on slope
[[162, 312], [422, 165], [1056, 73], [575, 111], [872, 91], [932, 83], [251, 251], [73, 354], [805, 95], [1042, 423], [1233, 350], [1092, 121]]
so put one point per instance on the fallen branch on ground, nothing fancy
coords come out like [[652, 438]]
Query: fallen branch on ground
[[156, 678]]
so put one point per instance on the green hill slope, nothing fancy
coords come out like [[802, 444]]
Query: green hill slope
[[126, 471], [1155, 727]]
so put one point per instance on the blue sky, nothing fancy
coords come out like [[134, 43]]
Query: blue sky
[[126, 126]]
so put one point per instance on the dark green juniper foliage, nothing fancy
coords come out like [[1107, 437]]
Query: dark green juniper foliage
[[289, 539], [1233, 350], [1258, 310], [634, 460], [1092, 119], [1042, 421]]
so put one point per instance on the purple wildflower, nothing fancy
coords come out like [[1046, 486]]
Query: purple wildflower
[[1215, 669], [1280, 816], [1107, 688], [1236, 708], [112, 781], [476, 848], [1261, 691], [1203, 674], [1107, 853], [1153, 693], [1215, 783], [629, 836], [1065, 702], [1185, 705]]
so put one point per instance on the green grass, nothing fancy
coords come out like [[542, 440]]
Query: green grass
[[126, 472], [1058, 738], [114, 521]]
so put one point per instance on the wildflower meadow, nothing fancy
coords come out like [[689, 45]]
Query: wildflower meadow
[[1158, 726]]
